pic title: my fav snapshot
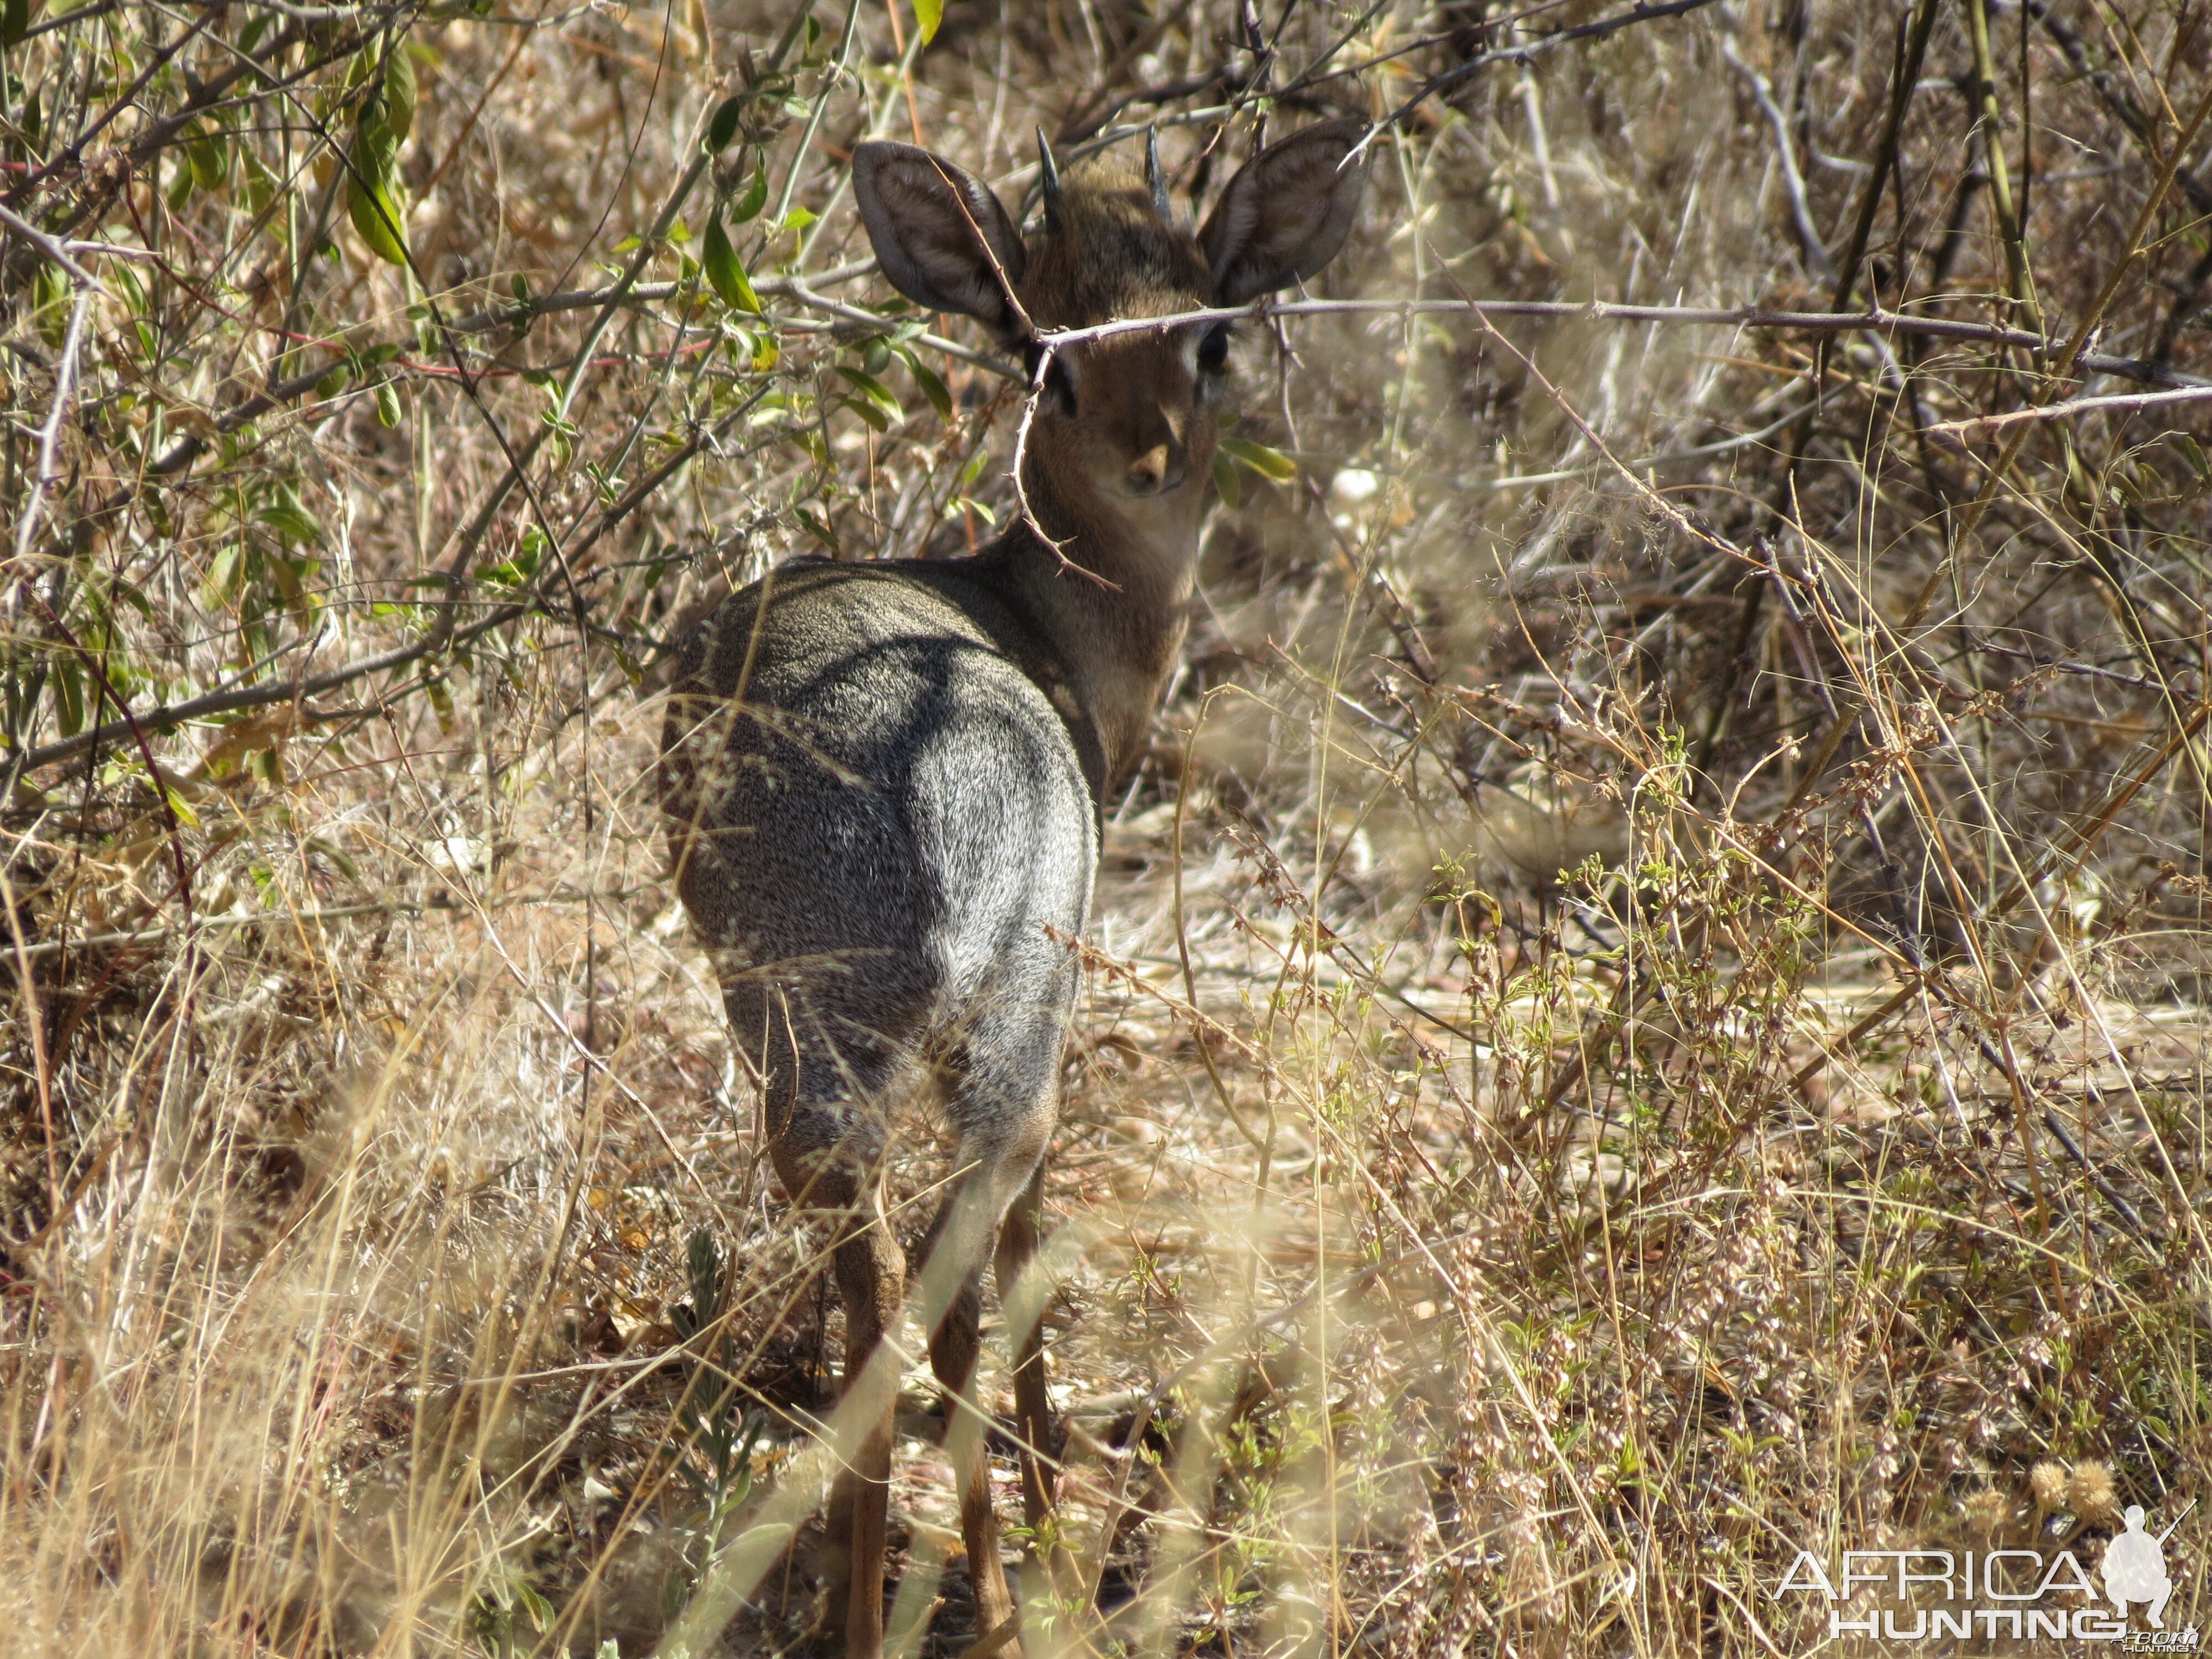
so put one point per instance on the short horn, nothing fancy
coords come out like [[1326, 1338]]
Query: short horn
[[1049, 183], [1154, 179]]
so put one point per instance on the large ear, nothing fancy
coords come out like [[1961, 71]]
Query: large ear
[[939, 233], [1285, 213]]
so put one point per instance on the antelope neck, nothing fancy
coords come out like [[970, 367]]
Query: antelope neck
[[1117, 643]]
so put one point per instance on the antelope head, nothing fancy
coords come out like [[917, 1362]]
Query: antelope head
[[1127, 422]]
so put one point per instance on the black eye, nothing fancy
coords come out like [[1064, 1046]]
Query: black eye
[[1213, 349], [1058, 389]]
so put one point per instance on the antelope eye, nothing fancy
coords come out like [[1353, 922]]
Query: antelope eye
[[1059, 388], [1213, 349]]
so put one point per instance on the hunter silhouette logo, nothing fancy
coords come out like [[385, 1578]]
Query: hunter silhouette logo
[[2134, 1567]]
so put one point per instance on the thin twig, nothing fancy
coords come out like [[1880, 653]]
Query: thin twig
[[1792, 181], [47, 246], [1879, 320], [1885, 156], [64, 386], [2114, 402], [1644, 11], [2010, 227]]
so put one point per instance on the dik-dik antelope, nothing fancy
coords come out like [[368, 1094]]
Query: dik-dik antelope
[[883, 781]]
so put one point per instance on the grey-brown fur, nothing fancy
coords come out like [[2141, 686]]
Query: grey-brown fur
[[882, 781]]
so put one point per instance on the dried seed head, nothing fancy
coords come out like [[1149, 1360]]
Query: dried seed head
[[2089, 1493], [2048, 1482], [1987, 1511]]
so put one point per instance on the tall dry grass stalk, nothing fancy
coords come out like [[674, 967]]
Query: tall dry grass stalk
[[1647, 1013]]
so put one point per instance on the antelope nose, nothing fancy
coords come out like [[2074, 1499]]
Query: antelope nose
[[1160, 468]]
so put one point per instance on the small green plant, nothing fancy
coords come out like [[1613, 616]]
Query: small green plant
[[500, 1610], [717, 1458]]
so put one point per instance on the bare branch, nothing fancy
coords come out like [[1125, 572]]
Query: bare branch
[[1879, 320], [26, 528], [2115, 402]]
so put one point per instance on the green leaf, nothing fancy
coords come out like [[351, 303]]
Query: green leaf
[[540, 1610], [134, 292], [723, 125], [928, 14], [333, 855], [868, 412], [128, 593], [68, 694], [1225, 480], [261, 184], [932, 387], [15, 21], [816, 528], [291, 577], [747, 207], [387, 404], [399, 91], [2193, 453], [798, 219], [290, 519], [719, 261], [372, 193], [209, 158], [517, 571], [226, 576], [1269, 464], [875, 392], [50, 298]]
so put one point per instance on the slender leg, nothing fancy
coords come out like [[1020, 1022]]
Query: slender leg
[[995, 1167], [836, 1558], [1003, 1093], [958, 1239], [952, 1351], [1018, 1247], [825, 1097], [872, 1273]]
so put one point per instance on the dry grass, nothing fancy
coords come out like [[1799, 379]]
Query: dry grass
[[1648, 1005]]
